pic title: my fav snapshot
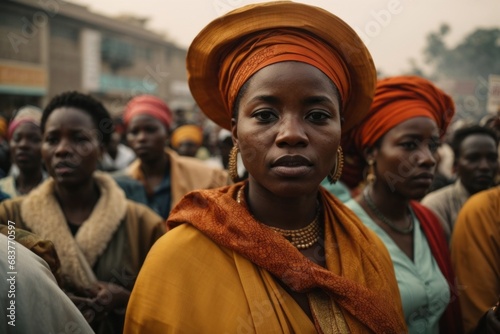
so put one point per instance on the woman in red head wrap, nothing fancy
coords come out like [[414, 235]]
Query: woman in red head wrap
[[397, 143], [165, 175], [25, 142], [275, 253]]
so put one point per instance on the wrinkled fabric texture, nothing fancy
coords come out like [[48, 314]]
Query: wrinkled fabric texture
[[40, 305], [148, 105], [110, 246], [451, 319], [397, 99], [44, 248], [475, 254], [423, 288], [359, 277]]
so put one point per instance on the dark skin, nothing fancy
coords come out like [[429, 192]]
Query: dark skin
[[400, 214], [71, 150], [25, 146], [155, 171], [147, 137], [405, 162], [290, 110]]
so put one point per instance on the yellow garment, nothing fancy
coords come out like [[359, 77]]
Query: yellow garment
[[194, 280], [475, 255], [214, 301]]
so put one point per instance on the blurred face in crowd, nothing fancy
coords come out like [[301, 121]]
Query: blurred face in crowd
[[112, 147], [25, 147], [188, 148], [147, 136], [477, 164], [405, 158], [288, 128], [71, 146]]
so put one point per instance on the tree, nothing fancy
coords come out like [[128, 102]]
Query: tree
[[468, 64], [477, 55]]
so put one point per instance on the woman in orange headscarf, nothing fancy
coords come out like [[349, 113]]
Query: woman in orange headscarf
[[276, 253], [187, 140], [397, 143]]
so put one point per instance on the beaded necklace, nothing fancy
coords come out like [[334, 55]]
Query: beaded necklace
[[386, 220], [302, 238]]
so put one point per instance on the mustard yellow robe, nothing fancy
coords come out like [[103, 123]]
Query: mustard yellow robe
[[475, 255], [216, 272]]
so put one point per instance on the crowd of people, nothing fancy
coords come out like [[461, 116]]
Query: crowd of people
[[320, 212]]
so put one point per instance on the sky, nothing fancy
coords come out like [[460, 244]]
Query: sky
[[394, 30]]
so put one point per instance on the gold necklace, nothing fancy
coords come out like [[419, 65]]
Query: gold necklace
[[302, 238]]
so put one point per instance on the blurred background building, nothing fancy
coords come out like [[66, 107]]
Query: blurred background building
[[51, 46]]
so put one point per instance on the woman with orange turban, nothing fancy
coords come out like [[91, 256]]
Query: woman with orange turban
[[275, 253], [187, 139], [398, 140]]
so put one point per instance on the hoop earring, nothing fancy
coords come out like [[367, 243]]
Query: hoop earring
[[233, 164], [370, 177], [335, 174]]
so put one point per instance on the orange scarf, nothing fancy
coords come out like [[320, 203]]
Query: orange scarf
[[274, 46], [359, 278]]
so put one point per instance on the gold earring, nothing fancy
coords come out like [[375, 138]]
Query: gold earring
[[370, 177], [233, 164], [335, 174]]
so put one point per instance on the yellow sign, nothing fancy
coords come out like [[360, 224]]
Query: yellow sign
[[22, 76]]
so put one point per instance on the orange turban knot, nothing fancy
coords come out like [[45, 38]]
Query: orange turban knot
[[396, 100], [148, 105]]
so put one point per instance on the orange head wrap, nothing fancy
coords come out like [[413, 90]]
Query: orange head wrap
[[232, 48], [274, 46], [396, 100], [3, 127], [148, 105], [186, 132]]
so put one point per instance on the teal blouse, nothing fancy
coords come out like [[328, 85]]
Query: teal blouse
[[424, 291]]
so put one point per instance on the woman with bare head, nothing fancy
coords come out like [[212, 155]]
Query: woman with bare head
[[100, 237]]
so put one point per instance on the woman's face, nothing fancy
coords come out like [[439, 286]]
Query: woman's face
[[71, 146], [188, 148], [147, 137], [288, 128], [25, 147], [405, 160]]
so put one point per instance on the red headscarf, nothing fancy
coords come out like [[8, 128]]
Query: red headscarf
[[396, 100], [148, 105], [26, 114]]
